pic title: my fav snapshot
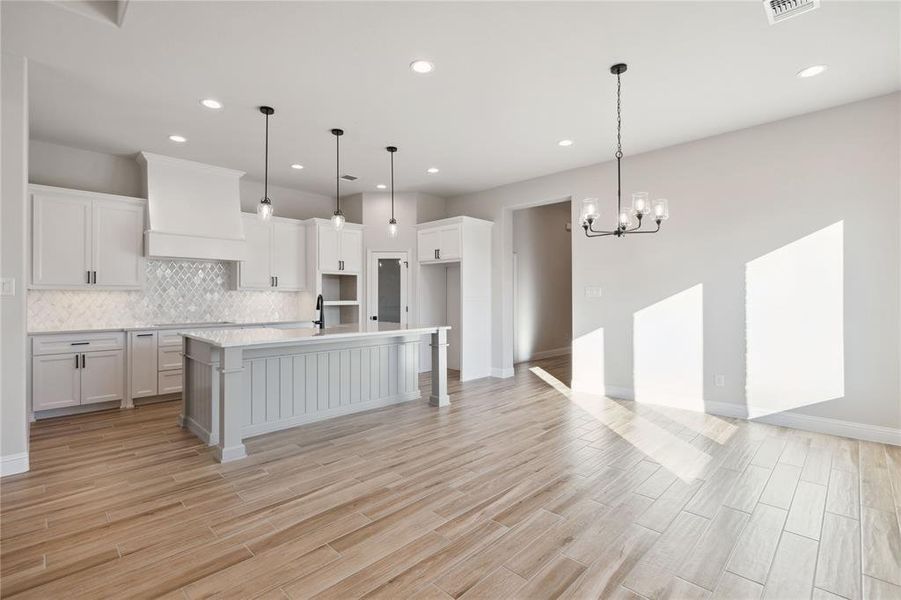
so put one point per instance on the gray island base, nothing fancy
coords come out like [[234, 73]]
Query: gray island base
[[240, 383]]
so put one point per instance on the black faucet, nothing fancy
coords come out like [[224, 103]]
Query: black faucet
[[321, 309]]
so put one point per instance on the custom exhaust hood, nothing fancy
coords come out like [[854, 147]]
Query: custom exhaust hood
[[194, 210]]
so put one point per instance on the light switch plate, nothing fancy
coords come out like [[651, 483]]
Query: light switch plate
[[7, 286], [592, 291], [720, 381]]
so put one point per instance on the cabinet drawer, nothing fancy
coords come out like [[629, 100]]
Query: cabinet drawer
[[84, 342], [170, 339], [169, 358], [169, 382]]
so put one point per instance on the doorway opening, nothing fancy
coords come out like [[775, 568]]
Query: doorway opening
[[542, 282], [388, 299]]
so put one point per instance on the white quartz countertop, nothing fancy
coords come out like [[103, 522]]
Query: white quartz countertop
[[266, 336], [170, 326]]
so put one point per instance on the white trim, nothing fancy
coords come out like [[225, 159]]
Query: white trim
[[13, 464], [502, 373], [840, 427]]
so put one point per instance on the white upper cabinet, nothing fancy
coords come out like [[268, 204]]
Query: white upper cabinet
[[340, 251], [118, 239], [276, 255], [86, 240], [289, 254], [439, 243]]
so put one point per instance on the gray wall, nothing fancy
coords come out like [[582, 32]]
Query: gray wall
[[14, 166], [65, 166], [543, 303], [734, 198]]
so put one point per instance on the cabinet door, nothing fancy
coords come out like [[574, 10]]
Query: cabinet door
[[328, 248], [143, 364], [170, 382], [428, 243], [449, 242], [102, 377], [61, 240], [289, 262], [118, 242], [55, 381], [170, 358], [352, 250], [255, 272]]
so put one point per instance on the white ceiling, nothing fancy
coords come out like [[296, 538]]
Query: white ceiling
[[511, 79]]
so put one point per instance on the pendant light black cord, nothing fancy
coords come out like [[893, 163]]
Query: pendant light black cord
[[392, 183], [619, 151], [266, 167], [337, 173]]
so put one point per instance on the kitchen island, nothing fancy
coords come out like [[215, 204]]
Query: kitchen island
[[240, 383]]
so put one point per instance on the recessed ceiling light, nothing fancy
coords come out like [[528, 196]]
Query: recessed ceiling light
[[422, 66], [812, 71], [211, 103], [381, 186], [432, 170], [179, 139], [565, 143], [297, 166]]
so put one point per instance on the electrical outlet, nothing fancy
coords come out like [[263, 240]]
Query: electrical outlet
[[720, 381], [592, 291], [7, 286]]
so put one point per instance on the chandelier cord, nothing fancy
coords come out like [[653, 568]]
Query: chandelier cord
[[619, 150], [337, 173], [266, 163]]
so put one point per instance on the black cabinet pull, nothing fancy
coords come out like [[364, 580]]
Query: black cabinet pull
[[374, 317], [94, 277], [76, 361], [436, 253], [276, 281], [82, 361], [89, 276], [143, 335], [79, 343]]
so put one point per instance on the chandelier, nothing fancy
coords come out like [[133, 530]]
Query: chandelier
[[628, 220]]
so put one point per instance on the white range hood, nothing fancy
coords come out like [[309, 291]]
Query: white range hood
[[194, 210]]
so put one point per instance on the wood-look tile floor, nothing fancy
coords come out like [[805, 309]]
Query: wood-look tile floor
[[520, 489]]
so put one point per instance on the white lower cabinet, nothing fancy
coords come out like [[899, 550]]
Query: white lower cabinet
[[102, 376], [72, 370], [57, 381], [169, 382], [143, 359]]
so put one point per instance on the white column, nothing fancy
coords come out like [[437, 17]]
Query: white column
[[439, 395], [230, 373]]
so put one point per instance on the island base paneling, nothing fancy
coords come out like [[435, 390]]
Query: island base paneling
[[287, 387]]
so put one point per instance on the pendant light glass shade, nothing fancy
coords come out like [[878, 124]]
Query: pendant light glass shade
[[264, 208], [392, 222], [338, 220]]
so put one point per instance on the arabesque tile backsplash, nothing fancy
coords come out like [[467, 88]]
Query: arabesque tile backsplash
[[176, 291]]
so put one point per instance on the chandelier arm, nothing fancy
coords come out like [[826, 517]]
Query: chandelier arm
[[598, 231], [648, 230], [594, 234]]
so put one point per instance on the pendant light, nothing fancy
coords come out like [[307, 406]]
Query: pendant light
[[392, 222], [640, 205], [264, 208], [338, 216]]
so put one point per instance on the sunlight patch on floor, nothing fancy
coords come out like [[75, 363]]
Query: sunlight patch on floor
[[677, 456]]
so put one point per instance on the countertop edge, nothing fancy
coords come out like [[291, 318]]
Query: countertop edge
[[167, 327]]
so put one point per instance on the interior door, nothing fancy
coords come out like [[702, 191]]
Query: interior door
[[56, 381], [118, 238], [102, 378], [352, 250], [289, 255], [388, 287], [256, 271], [61, 243]]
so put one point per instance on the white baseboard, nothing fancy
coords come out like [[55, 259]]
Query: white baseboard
[[502, 373], [13, 464], [849, 429]]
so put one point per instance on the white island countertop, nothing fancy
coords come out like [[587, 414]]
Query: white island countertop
[[266, 336]]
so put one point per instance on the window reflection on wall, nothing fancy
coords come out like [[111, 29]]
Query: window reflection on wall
[[669, 351], [795, 323]]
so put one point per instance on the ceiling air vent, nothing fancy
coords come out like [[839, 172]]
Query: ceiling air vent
[[780, 10], [349, 178]]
